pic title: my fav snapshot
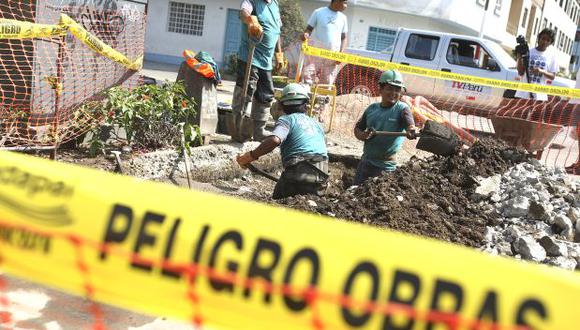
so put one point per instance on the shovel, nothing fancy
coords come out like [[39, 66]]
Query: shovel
[[243, 130], [258, 171], [435, 138]]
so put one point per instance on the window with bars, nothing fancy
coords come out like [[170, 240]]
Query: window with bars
[[186, 18], [381, 40]]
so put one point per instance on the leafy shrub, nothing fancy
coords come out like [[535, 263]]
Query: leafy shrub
[[150, 116], [232, 64]]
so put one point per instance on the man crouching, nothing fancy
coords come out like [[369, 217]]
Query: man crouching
[[302, 147]]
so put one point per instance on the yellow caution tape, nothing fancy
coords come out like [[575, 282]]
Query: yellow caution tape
[[418, 71], [225, 263], [12, 29], [97, 45]]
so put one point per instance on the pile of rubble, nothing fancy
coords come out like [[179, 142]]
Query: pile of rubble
[[538, 214], [427, 197]]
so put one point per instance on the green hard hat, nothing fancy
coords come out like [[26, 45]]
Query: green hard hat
[[294, 94], [393, 78]]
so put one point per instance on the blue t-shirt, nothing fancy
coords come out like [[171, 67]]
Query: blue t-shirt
[[300, 135], [380, 148], [269, 17]]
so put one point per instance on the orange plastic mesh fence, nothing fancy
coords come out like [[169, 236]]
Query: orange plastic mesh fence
[[44, 82], [545, 128]]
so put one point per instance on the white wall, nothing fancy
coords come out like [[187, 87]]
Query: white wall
[[556, 15], [453, 16], [163, 46]]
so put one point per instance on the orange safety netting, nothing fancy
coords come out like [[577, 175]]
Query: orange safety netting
[[548, 129], [45, 83]]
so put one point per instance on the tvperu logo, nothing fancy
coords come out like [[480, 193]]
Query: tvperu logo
[[37, 204], [467, 87]]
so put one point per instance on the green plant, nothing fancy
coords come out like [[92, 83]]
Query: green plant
[[232, 64], [149, 115], [294, 23]]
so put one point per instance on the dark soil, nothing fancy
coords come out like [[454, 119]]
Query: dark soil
[[425, 197]]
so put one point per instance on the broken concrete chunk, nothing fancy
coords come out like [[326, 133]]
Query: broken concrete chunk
[[487, 187], [553, 247], [539, 211], [530, 249], [574, 215], [504, 248], [563, 223], [312, 203], [512, 233], [516, 207]]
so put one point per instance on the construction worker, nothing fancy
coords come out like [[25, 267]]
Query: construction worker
[[389, 115], [302, 147], [262, 25]]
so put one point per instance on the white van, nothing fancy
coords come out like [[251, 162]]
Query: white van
[[440, 51]]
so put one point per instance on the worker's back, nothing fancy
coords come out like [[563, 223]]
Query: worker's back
[[305, 136]]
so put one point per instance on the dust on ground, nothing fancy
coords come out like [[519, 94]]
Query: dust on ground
[[428, 197]]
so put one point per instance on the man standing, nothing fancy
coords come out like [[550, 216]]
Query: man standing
[[542, 64], [327, 28], [389, 115], [302, 146], [261, 26]]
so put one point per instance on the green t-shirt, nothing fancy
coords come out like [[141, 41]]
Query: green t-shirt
[[380, 148], [269, 17], [300, 135]]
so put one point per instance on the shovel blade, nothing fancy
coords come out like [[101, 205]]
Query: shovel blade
[[438, 139]]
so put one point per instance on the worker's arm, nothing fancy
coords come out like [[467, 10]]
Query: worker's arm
[[520, 65], [268, 144], [307, 33], [409, 123], [343, 42], [279, 54], [279, 134], [548, 75], [361, 131], [246, 12], [254, 28]]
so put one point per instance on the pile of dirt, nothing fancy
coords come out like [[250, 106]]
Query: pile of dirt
[[429, 197]]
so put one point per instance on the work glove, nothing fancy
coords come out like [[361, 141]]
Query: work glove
[[412, 132], [255, 30], [245, 158], [280, 62], [369, 133]]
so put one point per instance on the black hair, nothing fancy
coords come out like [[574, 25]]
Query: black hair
[[288, 109], [550, 33]]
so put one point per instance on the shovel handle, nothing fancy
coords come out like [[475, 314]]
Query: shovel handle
[[387, 133], [258, 171]]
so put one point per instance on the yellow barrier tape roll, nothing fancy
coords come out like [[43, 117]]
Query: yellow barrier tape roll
[[97, 45], [418, 71], [12, 29], [232, 264]]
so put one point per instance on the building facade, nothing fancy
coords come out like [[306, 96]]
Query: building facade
[[214, 26]]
